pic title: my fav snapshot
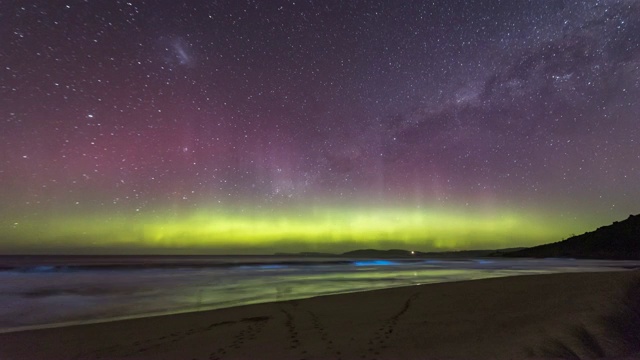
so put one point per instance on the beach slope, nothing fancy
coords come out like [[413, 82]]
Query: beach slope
[[578, 315]]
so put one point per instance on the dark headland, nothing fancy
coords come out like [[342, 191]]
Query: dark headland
[[618, 241]]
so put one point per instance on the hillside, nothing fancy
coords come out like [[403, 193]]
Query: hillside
[[398, 253], [618, 241]]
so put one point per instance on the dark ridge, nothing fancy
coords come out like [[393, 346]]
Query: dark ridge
[[306, 254], [618, 241], [398, 253], [373, 253]]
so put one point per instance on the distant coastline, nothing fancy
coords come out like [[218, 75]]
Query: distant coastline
[[401, 253]]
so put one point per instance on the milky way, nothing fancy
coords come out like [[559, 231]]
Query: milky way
[[262, 126]]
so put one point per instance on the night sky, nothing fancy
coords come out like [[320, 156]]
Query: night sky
[[264, 126]]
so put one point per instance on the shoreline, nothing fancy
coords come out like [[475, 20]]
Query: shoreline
[[504, 317], [63, 324], [206, 309]]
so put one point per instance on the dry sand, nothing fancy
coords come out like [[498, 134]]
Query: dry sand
[[580, 315]]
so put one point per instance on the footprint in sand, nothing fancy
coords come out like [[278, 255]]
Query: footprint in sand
[[381, 337], [253, 327]]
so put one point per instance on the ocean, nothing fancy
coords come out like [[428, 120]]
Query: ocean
[[46, 291]]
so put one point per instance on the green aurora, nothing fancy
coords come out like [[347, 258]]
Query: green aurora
[[319, 229]]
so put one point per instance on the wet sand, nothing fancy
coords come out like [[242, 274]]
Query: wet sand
[[577, 315]]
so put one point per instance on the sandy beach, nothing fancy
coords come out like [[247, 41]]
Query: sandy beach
[[578, 315]]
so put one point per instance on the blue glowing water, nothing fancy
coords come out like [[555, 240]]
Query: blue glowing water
[[46, 291]]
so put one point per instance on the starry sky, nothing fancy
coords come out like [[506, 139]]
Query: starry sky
[[264, 126]]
